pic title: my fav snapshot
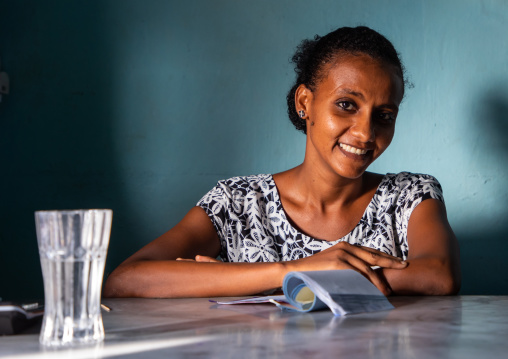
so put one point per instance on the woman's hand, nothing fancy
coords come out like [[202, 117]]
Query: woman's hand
[[199, 258], [347, 256]]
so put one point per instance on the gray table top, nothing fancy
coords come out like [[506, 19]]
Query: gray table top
[[418, 327]]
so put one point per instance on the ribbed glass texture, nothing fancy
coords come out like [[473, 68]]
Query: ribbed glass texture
[[72, 247]]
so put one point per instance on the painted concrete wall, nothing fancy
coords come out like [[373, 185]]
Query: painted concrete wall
[[141, 106]]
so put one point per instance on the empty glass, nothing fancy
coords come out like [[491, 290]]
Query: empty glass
[[72, 247]]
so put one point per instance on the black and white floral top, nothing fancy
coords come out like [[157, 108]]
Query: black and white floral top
[[252, 225]]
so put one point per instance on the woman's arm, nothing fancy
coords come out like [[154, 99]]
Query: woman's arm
[[153, 271], [433, 258]]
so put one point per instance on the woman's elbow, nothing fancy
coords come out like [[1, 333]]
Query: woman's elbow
[[451, 286], [117, 285], [112, 288], [446, 284]]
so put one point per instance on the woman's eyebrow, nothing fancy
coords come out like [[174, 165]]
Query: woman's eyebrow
[[389, 107], [351, 92]]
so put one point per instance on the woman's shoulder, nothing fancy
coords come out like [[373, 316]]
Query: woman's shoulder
[[410, 184], [237, 188], [259, 183], [403, 179], [255, 181]]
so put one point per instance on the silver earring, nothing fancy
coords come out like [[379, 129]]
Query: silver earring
[[301, 113]]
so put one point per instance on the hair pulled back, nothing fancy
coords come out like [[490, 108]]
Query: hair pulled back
[[311, 57]]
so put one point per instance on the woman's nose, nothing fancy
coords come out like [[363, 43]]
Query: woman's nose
[[363, 129]]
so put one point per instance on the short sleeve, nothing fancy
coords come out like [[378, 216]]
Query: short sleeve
[[216, 204], [414, 189]]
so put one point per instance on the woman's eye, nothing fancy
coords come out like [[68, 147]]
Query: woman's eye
[[386, 117], [346, 105]]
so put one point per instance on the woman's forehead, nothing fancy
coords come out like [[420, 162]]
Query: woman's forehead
[[362, 73], [359, 61]]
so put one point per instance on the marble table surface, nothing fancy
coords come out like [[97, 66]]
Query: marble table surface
[[418, 327]]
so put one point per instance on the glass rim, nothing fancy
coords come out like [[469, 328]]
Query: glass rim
[[74, 211]]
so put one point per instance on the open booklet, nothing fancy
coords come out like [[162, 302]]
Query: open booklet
[[343, 291]]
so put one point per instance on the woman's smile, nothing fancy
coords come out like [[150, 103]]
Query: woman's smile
[[353, 150], [362, 157]]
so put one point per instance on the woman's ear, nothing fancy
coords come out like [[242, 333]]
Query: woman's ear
[[303, 99]]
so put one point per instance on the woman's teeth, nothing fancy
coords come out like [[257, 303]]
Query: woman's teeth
[[352, 149]]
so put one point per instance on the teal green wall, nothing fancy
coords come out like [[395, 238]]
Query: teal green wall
[[141, 106]]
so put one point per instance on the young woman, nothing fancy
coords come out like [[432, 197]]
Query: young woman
[[327, 213]]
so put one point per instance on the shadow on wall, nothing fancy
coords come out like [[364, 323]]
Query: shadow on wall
[[483, 252], [57, 122]]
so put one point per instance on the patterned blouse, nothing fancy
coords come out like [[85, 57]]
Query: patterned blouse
[[252, 225]]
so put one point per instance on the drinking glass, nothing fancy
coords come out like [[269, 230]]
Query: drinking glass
[[72, 247]]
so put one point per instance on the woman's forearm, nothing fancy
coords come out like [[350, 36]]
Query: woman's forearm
[[189, 278], [424, 276], [177, 279]]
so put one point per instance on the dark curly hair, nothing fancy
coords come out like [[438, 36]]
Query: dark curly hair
[[312, 55]]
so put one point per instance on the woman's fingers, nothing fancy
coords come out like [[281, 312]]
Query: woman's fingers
[[379, 281], [373, 257], [368, 272], [199, 258], [206, 259], [363, 259]]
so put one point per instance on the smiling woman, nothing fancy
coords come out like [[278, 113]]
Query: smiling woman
[[328, 212]]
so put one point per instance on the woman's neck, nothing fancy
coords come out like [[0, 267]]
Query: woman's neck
[[320, 190]]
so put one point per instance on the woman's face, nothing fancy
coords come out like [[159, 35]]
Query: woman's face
[[351, 114]]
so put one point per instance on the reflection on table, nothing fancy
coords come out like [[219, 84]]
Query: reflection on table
[[419, 327]]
